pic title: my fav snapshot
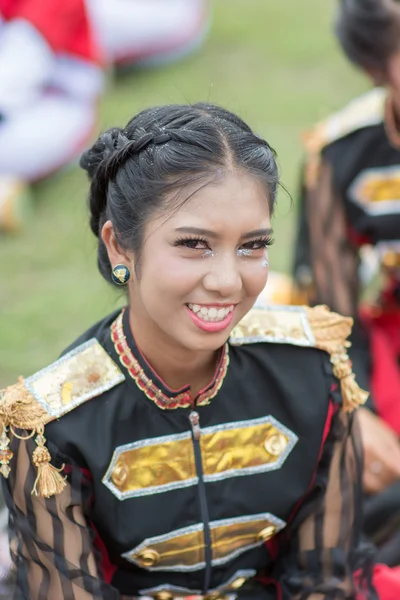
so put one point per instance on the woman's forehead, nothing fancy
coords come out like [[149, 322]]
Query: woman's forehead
[[235, 197]]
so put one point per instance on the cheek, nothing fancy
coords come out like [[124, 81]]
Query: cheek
[[172, 275], [254, 276]]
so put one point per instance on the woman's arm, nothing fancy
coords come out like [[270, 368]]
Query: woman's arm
[[50, 539], [323, 253], [323, 556]]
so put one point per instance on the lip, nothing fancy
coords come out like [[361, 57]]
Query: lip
[[211, 326], [211, 304]]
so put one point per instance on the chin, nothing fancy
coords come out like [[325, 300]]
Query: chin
[[209, 342]]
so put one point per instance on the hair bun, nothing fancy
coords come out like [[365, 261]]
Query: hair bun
[[102, 149]]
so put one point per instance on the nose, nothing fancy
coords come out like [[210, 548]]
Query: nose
[[223, 276]]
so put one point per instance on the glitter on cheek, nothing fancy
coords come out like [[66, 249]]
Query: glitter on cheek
[[244, 252], [265, 261], [208, 253]]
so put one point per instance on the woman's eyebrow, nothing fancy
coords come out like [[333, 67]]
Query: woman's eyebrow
[[258, 233], [213, 234], [197, 231]]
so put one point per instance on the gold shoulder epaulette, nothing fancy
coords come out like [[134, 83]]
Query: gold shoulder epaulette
[[364, 111], [30, 404], [316, 327]]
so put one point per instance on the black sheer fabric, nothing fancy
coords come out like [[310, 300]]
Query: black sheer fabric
[[52, 541], [326, 263], [324, 549], [324, 255]]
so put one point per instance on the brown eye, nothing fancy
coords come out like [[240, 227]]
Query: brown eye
[[193, 243], [260, 244]]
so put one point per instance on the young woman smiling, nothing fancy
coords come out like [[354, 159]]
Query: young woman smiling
[[188, 444]]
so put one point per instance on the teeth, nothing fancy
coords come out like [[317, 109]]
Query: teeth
[[211, 313]]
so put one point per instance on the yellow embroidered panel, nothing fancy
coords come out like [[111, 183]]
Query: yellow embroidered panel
[[377, 191], [184, 549], [279, 324], [80, 375], [228, 450]]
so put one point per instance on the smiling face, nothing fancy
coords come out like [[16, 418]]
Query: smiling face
[[202, 268]]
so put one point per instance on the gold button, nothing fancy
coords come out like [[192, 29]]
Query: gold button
[[276, 444], [148, 558], [266, 533], [237, 583], [163, 595], [119, 474]]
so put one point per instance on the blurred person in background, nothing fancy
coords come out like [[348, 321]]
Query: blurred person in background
[[148, 32], [52, 56], [350, 203], [50, 81]]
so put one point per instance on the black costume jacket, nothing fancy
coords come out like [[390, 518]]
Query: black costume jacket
[[249, 489]]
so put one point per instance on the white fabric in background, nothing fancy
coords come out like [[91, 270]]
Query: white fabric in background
[[141, 27], [44, 136]]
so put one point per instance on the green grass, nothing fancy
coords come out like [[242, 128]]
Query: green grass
[[274, 62]]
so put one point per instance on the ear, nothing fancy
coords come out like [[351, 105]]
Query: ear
[[116, 254]]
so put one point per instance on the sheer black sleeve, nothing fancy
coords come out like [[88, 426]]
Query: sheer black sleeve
[[323, 557], [50, 540], [326, 262], [325, 258]]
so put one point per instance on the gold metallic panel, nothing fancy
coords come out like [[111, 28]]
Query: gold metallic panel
[[152, 466], [379, 185], [85, 372], [228, 450], [235, 537], [184, 550], [236, 449]]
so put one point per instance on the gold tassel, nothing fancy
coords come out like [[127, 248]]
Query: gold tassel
[[353, 396], [48, 482], [5, 453]]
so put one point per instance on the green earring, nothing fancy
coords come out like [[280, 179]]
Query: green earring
[[120, 274]]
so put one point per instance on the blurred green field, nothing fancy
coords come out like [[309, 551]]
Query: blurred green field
[[274, 62]]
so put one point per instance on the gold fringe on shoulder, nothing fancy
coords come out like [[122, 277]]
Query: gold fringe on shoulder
[[330, 331], [364, 111], [316, 327], [20, 410], [78, 376]]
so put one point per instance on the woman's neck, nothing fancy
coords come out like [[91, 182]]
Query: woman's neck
[[175, 365]]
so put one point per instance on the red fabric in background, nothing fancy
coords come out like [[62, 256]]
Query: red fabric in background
[[384, 331], [387, 582], [64, 24]]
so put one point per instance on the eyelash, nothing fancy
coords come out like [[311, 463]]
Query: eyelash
[[263, 242]]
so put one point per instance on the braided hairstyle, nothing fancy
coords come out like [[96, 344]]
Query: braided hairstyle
[[369, 31], [162, 152]]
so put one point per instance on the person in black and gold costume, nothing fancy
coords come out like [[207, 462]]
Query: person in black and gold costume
[[350, 202], [188, 445]]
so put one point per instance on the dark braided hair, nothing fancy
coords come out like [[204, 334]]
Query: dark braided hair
[[369, 31], [161, 152]]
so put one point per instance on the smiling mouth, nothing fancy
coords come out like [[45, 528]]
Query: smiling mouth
[[211, 314]]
